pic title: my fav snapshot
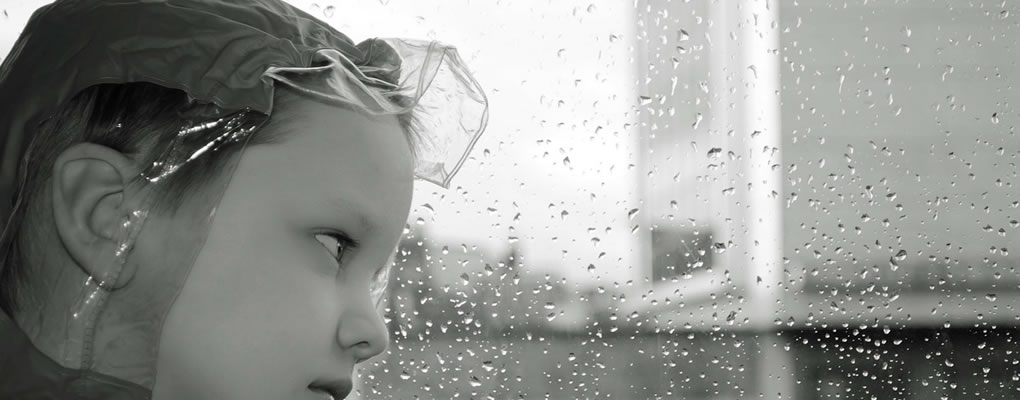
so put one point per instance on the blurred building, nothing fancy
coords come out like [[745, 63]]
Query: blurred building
[[896, 207], [435, 291]]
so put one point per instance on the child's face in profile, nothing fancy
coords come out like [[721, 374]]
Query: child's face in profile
[[267, 310]]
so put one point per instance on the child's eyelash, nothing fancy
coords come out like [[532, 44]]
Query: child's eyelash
[[344, 243]]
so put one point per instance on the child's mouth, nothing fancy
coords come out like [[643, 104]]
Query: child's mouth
[[333, 390], [326, 395]]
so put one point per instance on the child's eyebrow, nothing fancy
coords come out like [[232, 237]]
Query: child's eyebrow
[[365, 224]]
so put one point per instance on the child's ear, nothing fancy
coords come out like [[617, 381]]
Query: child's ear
[[90, 208]]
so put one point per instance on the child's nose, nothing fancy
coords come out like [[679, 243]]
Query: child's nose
[[362, 332]]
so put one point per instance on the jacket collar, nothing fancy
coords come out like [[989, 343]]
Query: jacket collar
[[27, 373]]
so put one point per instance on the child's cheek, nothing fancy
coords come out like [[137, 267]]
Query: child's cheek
[[286, 284]]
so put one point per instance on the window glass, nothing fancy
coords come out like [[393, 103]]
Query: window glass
[[781, 199]]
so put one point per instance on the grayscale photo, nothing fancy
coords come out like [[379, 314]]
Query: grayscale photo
[[509, 200]]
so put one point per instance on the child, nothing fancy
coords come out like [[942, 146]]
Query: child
[[206, 195]]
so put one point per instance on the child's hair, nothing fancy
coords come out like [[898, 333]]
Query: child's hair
[[149, 121]]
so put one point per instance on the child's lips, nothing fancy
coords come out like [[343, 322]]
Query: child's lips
[[336, 389], [325, 395]]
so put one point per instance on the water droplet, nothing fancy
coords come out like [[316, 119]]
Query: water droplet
[[682, 36], [991, 297], [632, 213], [901, 255], [329, 11]]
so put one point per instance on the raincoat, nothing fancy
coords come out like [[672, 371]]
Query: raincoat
[[27, 373]]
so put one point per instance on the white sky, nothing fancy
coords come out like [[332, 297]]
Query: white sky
[[554, 72]]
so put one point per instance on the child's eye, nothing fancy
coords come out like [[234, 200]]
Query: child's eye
[[337, 244]]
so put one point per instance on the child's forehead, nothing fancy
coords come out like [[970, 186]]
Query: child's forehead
[[316, 127], [327, 147], [332, 164]]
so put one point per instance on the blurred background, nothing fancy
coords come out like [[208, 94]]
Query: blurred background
[[718, 199]]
